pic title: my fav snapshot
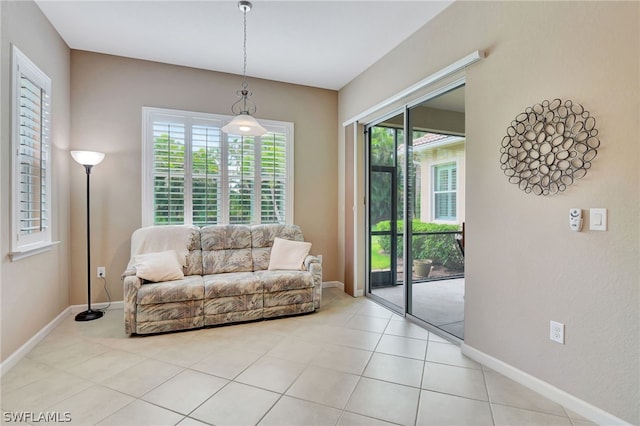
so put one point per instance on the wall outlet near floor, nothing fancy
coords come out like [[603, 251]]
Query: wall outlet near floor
[[556, 332], [102, 273]]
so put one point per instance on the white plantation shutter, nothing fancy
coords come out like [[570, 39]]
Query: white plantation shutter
[[445, 191], [206, 186], [33, 158], [242, 176], [168, 171], [31, 199], [196, 174], [273, 177]]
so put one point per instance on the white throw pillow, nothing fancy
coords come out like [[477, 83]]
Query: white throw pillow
[[287, 254], [159, 266]]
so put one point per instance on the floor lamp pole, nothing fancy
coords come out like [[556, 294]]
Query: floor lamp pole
[[89, 314]]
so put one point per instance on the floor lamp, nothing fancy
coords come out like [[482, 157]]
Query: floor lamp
[[88, 159]]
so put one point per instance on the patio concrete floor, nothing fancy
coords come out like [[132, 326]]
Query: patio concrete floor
[[440, 303]]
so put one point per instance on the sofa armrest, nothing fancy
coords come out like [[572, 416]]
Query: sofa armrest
[[128, 273], [309, 260], [131, 286], [313, 265]]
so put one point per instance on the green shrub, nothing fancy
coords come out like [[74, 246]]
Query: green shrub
[[441, 249]]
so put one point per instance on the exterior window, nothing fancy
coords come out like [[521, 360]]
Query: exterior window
[[445, 185], [31, 164], [194, 173]]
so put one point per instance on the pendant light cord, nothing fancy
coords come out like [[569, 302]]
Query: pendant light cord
[[244, 49], [244, 106]]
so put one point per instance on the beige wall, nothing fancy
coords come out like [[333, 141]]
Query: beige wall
[[107, 95], [33, 291], [537, 270]]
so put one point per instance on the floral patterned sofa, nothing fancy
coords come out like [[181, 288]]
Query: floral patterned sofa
[[224, 276]]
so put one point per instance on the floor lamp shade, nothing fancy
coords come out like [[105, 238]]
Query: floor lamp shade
[[88, 159]]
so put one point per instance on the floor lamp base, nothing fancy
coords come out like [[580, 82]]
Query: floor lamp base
[[89, 315]]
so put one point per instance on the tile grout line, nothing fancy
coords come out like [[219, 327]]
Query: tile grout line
[[424, 366], [486, 387]]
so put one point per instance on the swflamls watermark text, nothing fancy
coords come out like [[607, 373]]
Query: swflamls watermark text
[[36, 417]]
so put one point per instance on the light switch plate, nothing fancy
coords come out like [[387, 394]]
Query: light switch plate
[[598, 219]]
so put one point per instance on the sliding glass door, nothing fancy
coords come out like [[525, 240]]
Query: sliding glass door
[[385, 206], [416, 211]]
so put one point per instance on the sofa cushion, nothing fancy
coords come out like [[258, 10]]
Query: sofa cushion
[[170, 311], [288, 255], [231, 284], [284, 280], [238, 303], [224, 237], [262, 237], [184, 239], [158, 267], [223, 261], [189, 288], [226, 248], [288, 297]]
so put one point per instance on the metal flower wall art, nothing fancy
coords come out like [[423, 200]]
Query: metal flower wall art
[[549, 146]]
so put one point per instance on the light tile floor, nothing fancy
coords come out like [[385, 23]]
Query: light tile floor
[[351, 363]]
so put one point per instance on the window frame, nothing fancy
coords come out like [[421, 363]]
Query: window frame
[[188, 118], [434, 169], [24, 245]]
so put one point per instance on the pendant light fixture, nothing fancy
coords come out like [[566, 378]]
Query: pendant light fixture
[[243, 123]]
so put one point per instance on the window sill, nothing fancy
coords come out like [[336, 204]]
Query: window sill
[[35, 249]]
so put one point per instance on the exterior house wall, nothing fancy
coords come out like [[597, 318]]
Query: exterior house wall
[[429, 158]]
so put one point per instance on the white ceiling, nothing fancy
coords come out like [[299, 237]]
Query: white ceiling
[[315, 43]]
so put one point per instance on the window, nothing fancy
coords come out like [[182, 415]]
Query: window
[[31, 163], [445, 183], [194, 173]]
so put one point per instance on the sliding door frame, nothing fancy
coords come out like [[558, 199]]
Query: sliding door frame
[[367, 221], [407, 231]]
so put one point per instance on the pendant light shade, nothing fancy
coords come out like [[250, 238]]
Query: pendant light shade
[[244, 124]]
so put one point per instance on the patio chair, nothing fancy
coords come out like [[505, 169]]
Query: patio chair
[[460, 240]]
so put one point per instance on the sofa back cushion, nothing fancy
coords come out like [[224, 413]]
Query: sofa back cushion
[[262, 237], [183, 239], [226, 248]]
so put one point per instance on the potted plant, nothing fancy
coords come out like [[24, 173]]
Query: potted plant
[[422, 262], [422, 267]]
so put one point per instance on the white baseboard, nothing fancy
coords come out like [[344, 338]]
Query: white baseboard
[[332, 284], [15, 357], [329, 284], [551, 392]]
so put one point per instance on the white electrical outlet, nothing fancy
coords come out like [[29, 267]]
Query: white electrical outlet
[[556, 332], [102, 273]]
